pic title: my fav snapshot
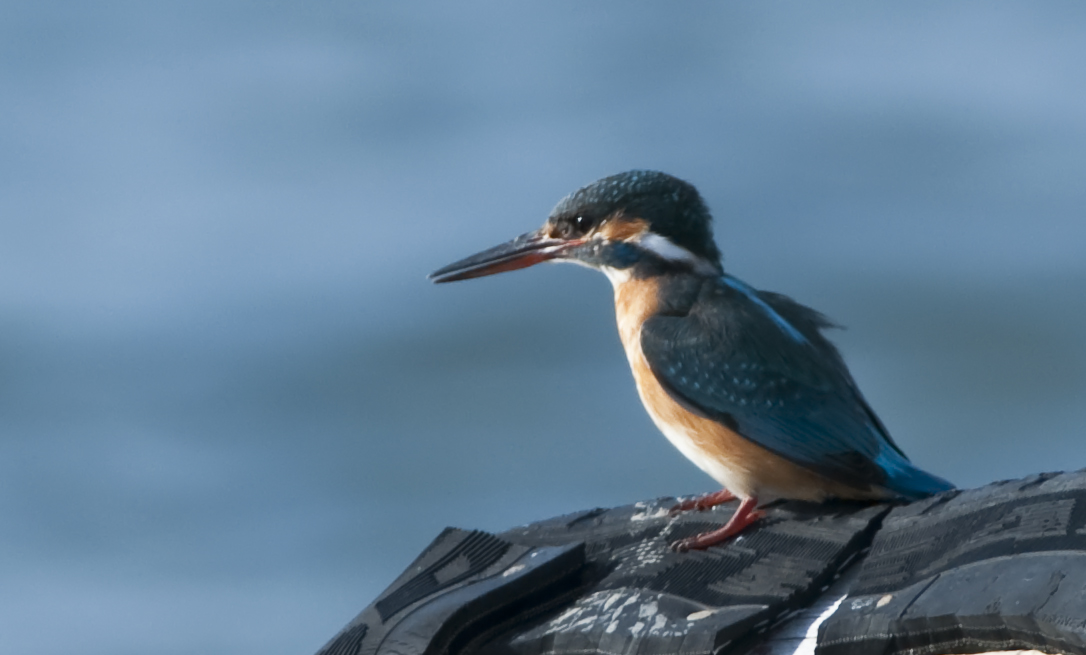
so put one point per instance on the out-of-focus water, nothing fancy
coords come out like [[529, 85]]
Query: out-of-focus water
[[231, 407]]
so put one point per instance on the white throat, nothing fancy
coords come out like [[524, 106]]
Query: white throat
[[617, 276]]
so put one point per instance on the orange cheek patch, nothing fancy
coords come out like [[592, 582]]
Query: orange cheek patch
[[618, 228]]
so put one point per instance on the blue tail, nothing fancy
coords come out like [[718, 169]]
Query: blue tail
[[906, 480]]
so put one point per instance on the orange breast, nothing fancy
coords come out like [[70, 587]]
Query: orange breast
[[741, 466]]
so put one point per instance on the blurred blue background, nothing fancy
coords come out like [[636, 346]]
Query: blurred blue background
[[231, 407]]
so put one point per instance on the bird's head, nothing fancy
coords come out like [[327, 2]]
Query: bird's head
[[634, 220]]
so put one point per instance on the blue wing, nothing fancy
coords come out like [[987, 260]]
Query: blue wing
[[758, 363]]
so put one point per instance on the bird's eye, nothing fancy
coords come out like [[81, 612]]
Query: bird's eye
[[569, 228], [583, 224]]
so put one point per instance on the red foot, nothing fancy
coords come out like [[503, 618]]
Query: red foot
[[743, 517], [703, 502]]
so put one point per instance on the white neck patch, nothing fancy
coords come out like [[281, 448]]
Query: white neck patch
[[666, 249]]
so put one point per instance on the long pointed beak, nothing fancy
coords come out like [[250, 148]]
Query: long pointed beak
[[524, 251]]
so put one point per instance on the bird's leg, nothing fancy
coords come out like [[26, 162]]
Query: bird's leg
[[743, 517], [703, 502]]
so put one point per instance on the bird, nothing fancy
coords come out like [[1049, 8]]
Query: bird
[[742, 382]]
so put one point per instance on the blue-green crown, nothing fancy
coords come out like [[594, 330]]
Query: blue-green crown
[[673, 208]]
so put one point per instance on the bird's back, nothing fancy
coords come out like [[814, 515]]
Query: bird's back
[[756, 367]]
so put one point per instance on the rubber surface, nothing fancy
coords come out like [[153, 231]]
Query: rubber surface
[[997, 568], [463, 584], [640, 597]]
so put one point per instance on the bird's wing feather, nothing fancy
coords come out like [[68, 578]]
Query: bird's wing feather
[[777, 381]]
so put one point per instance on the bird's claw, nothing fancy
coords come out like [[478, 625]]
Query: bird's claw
[[745, 516], [684, 506], [701, 503], [682, 545]]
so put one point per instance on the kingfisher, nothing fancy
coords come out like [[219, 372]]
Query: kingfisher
[[743, 382]]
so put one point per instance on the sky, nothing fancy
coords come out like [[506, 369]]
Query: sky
[[232, 408]]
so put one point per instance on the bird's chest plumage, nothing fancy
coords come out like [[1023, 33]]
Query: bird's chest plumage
[[740, 465], [722, 454]]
